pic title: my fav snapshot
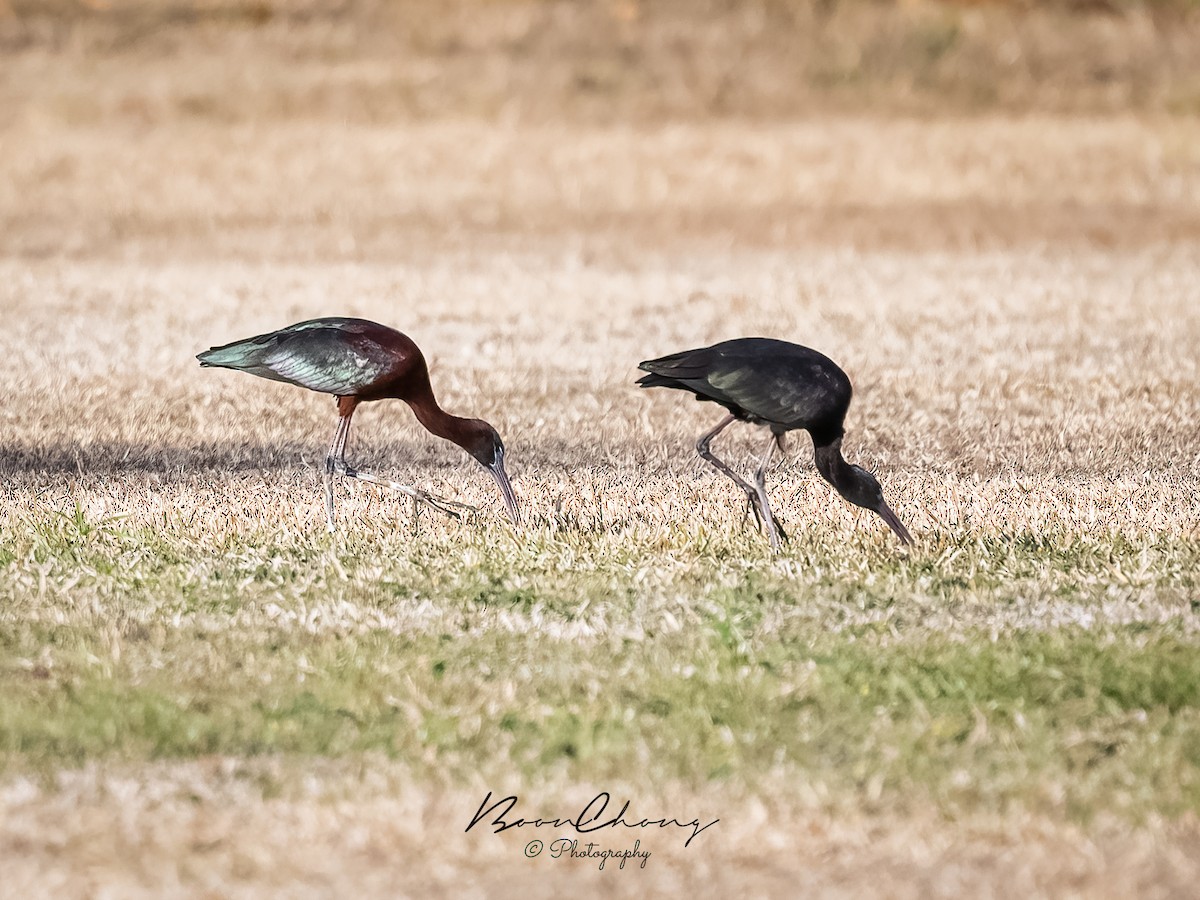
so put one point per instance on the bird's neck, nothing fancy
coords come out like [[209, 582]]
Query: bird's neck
[[832, 466], [435, 419]]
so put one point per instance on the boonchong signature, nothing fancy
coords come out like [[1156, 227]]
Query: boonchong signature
[[591, 818]]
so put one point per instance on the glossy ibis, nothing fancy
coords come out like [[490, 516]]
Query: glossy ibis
[[783, 386], [357, 361]]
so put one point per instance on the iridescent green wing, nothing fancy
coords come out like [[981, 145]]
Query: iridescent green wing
[[329, 360]]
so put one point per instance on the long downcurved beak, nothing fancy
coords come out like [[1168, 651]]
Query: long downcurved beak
[[510, 499], [885, 512]]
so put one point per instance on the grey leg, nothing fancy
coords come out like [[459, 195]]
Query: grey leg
[[702, 447], [335, 464], [441, 504], [760, 481]]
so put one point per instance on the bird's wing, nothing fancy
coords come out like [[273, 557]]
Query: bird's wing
[[328, 360], [774, 394], [762, 380]]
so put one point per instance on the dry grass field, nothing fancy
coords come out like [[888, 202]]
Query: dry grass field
[[204, 694]]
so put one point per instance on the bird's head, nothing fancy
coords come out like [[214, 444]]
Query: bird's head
[[482, 442], [862, 489]]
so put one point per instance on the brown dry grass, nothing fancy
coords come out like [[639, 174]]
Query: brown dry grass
[[1037, 389], [1014, 296], [205, 828], [614, 60]]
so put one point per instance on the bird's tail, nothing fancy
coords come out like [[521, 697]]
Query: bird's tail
[[668, 371], [656, 380], [238, 355], [249, 355]]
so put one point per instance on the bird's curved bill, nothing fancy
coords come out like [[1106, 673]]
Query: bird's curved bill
[[510, 498], [894, 522]]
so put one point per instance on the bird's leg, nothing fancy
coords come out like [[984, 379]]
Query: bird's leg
[[781, 443], [441, 504], [335, 463], [702, 447], [752, 507], [774, 529]]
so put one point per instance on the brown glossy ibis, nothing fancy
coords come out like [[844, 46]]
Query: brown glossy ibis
[[357, 361], [785, 387]]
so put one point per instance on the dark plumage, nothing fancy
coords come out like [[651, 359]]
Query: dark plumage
[[785, 387], [357, 361]]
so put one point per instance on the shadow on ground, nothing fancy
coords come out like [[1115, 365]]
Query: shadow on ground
[[123, 457]]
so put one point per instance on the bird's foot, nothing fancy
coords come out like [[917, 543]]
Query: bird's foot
[[778, 536], [752, 507], [451, 508], [783, 535], [338, 467]]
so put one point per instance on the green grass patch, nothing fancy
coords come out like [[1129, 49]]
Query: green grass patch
[[980, 671], [1070, 719]]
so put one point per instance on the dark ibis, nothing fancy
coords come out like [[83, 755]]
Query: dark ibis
[[358, 361], [785, 387]]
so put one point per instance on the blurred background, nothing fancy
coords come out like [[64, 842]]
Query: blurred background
[[354, 128], [599, 60]]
